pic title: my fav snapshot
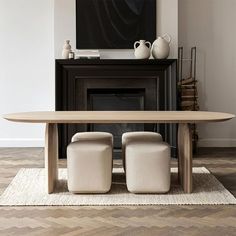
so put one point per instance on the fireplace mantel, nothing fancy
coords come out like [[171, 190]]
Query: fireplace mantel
[[75, 79]]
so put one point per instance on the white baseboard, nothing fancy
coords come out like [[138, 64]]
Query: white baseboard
[[21, 142], [218, 142]]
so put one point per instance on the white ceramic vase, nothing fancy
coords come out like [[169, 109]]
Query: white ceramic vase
[[142, 49], [66, 50], [161, 47]]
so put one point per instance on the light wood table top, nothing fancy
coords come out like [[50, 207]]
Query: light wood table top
[[119, 117]]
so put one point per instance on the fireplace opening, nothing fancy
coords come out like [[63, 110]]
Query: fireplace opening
[[117, 100]]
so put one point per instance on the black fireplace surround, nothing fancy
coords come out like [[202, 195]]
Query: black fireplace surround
[[116, 85]]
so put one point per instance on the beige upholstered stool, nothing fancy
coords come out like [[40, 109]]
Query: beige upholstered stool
[[89, 162], [147, 163], [138, 136]]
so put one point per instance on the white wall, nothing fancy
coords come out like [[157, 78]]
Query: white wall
[[167, 22], [64, 24], [27, 58], [209, 24], [27, 66]]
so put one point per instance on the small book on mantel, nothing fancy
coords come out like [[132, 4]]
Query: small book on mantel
[[87, 54]]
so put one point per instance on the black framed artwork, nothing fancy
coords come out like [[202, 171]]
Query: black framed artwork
[[114, 24]]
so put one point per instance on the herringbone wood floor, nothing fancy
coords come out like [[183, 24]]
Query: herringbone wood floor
[[140, 220]]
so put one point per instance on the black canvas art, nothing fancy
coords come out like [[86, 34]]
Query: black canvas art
[[110, 24]]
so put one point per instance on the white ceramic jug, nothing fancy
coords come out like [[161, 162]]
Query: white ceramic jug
[[66, 50], [142, 49], [161, 47]]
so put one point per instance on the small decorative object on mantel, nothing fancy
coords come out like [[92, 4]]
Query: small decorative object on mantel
[[142, 49], [161, 47], [87, 54], [71, 55], [66, 50]]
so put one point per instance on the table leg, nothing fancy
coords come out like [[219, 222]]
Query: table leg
[[51, 156], [185, 157]]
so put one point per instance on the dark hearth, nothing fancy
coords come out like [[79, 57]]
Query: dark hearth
[[116, 100], [115, 85]]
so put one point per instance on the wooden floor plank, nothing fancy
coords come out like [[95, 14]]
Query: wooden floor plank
[[120, 220]]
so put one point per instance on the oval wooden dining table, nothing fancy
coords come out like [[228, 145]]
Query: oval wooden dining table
[[182, 118]]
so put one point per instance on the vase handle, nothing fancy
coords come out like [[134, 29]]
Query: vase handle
[[149, 44], [135, 44], [167, 37]]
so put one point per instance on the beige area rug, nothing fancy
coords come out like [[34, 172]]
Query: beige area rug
[[27, 189]]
